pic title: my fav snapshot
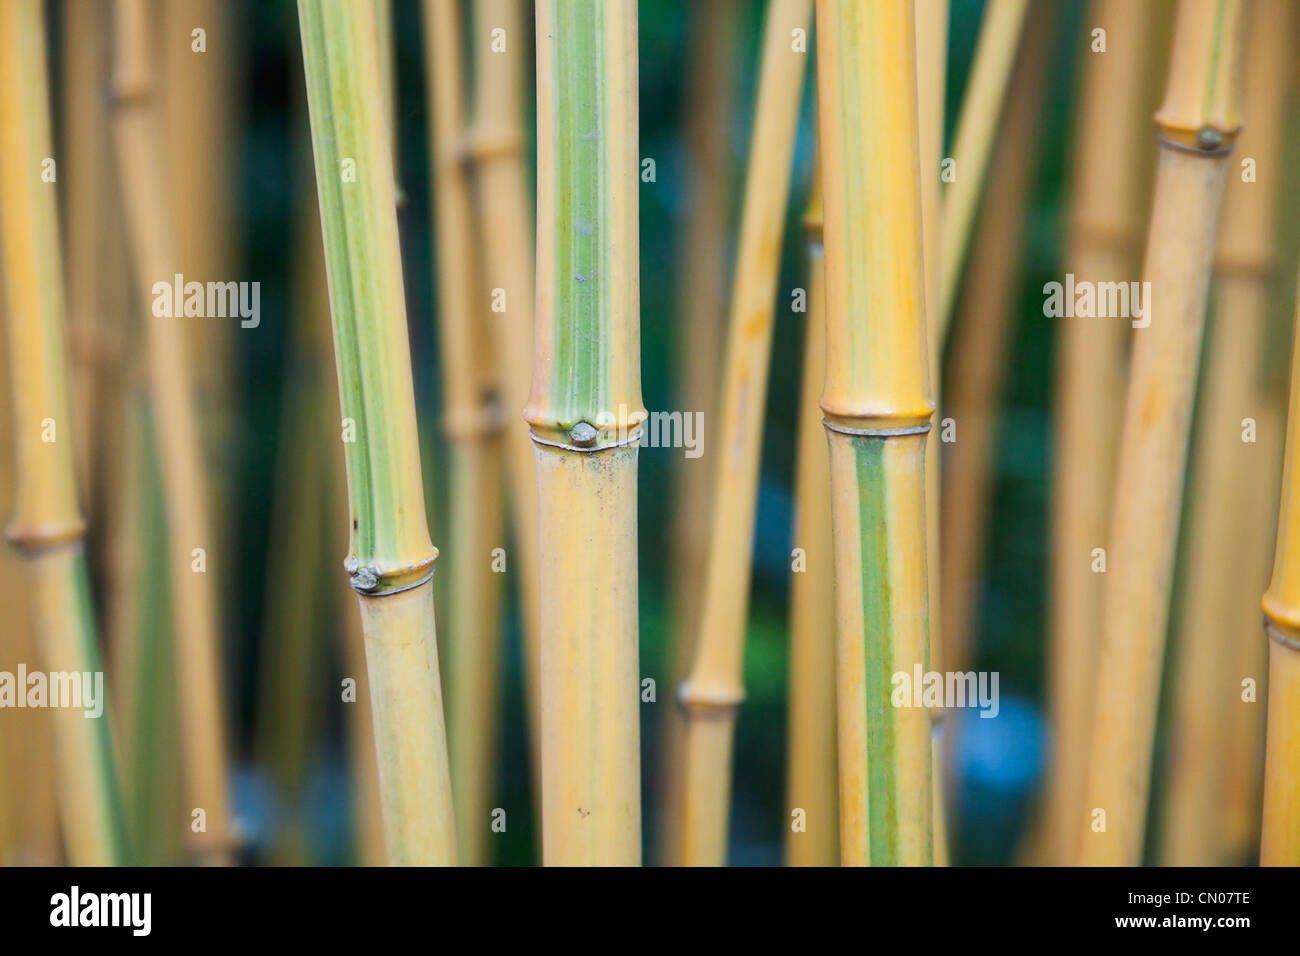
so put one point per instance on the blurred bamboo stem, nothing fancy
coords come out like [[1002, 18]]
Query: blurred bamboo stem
[[1108, 189], [972, 145], [812, 780], [1218, 608], [506, 205], [391, 558], [585, 413], [712, 692], [1197, 125], [697, 356], [46, 527], [473, 426], [877, 408], [190, 544]]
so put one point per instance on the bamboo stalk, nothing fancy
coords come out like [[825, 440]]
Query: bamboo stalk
[[877, 407], [585, 413], [972, 145], [1107, 201], [47, 527], [388, 82], [712, 693], [505, 205], [391, 559], [1217, 604], [195, 625], [1197, 125], [697, 355], [1280, 837], [813, 781], [473, 423], [931, 80]]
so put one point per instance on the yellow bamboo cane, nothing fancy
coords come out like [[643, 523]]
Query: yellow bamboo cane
[[46, 525], [1218, 611], [473, 423], [1109, 183], [877, 409], [1197, 124], [712, 692]]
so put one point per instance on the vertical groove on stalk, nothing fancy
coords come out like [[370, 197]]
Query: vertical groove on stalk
[[585, 413], [1109, 186], [1217, 637], [473, 423], [713, 691], [878, 407], [47, 527], [1196, 124], [391, 558]]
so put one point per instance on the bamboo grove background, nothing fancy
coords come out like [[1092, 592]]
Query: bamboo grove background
[[231, 150]]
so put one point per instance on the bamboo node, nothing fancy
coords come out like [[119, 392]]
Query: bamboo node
[[372, 580], [714, 704], [1207, 141], [1276, 633], [37, 539]]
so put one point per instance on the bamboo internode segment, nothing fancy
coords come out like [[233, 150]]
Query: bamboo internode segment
[[585, 410], [878, 406], [505, 204], [1153, 447], [1202, 106], [46, 524], [812, 780], [1280, 838], [1217, 637], [587, 355], [1108, 186], [972, 144], [195, 614], [713, 690], [391, 556]]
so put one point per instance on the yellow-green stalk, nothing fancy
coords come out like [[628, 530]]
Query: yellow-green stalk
[[712, 692], [46, 526], [931, 79], [505, 206], [972, 145], [697, 356], [1218, 600], [1107, 209], [586, 417], [812, 782], [473, 423], [1197, 125], [192, 554], [877, 409], [390, 560]]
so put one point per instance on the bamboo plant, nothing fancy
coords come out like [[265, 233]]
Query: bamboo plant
[[47, 526], [1217, 607], [697, 354], [972, 145], [391, 560], [586, 416], [1280, 837], [812, 782], [712, 692], [195, 625], [1109, 185], [877, 409], [472, 422], [505, 206], [1196, 125]]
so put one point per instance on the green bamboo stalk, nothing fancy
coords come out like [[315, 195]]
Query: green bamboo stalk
[[586, 416], [391, 559], [47, 527], [877, 408]]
